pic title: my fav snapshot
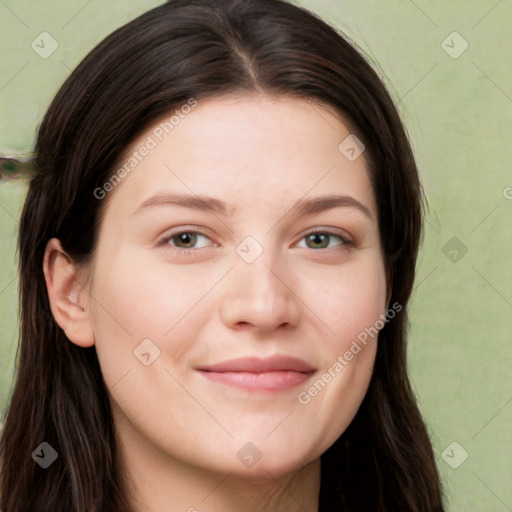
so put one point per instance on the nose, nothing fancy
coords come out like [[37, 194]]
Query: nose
[[257, 294]]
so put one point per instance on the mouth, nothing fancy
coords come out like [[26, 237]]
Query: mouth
[[277, 373]]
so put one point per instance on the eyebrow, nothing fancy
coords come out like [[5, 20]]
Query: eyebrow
[[302, 207]]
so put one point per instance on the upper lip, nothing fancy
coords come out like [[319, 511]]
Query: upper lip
[[261, 365]]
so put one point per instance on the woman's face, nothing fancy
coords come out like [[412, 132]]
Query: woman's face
[[223, 325]]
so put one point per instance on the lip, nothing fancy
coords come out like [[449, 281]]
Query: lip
[[277, 373]]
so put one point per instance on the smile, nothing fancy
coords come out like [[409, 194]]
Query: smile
[[266, 381], [277, 373]]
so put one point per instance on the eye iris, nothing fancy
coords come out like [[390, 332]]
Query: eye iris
[[318, 238], [187, 239]]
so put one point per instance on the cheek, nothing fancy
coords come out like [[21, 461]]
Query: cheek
[[346, 299], [350, 300], [137, 301]]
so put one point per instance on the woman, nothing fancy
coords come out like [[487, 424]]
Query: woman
[[216, 258]]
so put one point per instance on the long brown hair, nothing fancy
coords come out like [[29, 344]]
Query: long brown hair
[[202, 49]]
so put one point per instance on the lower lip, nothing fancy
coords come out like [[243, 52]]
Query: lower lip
[[268, 381]]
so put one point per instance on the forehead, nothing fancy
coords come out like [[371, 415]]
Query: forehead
[[271, 150]]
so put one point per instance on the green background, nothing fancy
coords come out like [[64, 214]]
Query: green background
[[458, 112]]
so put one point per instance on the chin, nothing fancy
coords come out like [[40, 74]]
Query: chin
[[272, 464]]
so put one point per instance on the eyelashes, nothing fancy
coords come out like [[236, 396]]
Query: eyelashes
[[324, 235], [186, 237], [190, 241]]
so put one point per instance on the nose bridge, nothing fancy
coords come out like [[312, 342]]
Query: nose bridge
[[257, 293], [263, 279]]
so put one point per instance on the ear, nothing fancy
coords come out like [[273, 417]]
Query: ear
[[69, 300]]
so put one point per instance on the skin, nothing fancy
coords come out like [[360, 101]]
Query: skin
[[179, 433]]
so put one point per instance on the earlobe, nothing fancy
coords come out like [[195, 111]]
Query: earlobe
[[69, 300]]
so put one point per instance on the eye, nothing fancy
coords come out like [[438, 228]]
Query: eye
[[323, 239], [186, 240], [192, 240]]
